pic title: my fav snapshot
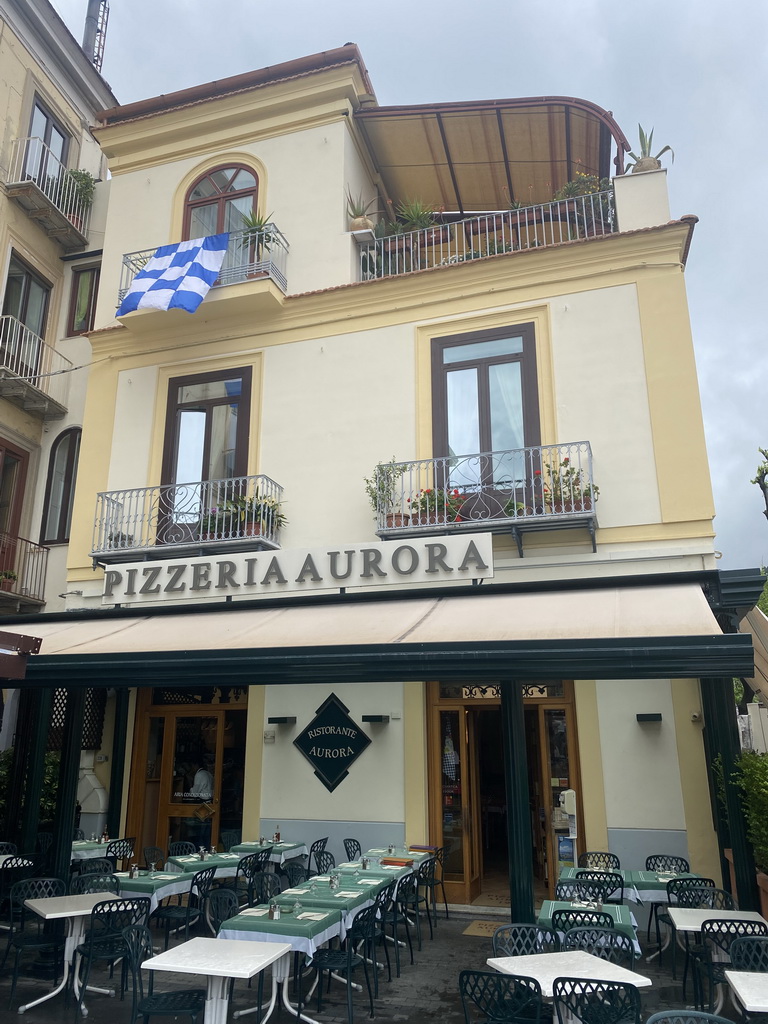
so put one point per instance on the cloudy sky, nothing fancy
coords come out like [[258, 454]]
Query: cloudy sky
[[693, 70]]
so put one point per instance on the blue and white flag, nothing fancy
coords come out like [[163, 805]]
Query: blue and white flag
[[177, 276]]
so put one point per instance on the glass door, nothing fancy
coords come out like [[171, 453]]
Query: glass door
[[460, 818], [190, 783]]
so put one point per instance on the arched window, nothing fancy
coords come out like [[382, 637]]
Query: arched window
[[220, 201], [60, 488]]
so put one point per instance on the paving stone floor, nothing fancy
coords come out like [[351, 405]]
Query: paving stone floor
[[425, 992]]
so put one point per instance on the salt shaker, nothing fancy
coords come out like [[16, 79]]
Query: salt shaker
[[133, 872]]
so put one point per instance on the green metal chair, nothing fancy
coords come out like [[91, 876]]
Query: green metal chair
[[607, 943], [499, 998], [595, 1002], [524, 940], [104, 942], [184, 916], [358, 951], [137, 943], [28, 932], [599, 860], [94, 883]]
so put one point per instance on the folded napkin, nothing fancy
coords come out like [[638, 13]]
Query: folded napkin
[[350, 864], [229, 856], [294, 892], [166, 876], [370, 881], [122, 874], [392, 867], [187, 859], [80, 842], [253, 912], [308, 915], [346, 895], [382, 850], [321, 878]]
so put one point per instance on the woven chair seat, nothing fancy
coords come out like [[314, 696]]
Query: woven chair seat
[[181, 1001], [334, 960], [37, 941], [173, 912], [106, 948]]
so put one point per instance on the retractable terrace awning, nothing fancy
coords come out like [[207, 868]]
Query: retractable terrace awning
[[755, 624], [482, 154], [610, 632]]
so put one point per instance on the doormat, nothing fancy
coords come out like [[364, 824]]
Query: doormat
[[485, 928]]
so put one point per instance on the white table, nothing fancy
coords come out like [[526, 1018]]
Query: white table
[[751, 989], [688, 919], [75, 909], [576, 963], [219, 960]]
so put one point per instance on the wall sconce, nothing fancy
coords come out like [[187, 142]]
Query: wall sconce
[[654, 716], [381, 719], [288, 720]]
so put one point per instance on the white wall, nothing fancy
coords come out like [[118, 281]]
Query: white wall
[[374, 787], [640, 766]]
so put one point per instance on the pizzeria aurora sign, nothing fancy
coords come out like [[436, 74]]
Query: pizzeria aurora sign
[[301, 570], [332, 742]]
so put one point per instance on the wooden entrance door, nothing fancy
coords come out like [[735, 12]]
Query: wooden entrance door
[[187, 774]]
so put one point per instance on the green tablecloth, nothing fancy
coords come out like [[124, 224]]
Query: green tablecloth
[[84, 849], [417, 856], [304, 934], [164, 884], [621, 915], [281, 852], [639, 886], [225, 863]]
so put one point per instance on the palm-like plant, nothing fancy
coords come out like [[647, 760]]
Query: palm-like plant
[[647, 161]]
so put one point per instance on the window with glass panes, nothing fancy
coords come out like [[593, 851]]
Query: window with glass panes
[[220, 201], [82, 303]]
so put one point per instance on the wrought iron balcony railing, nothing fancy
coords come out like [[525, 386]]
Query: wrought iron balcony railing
[[250, 255], [25, 359], [32, 162], [239, 511], [489, 234], [23, 565], [539, 487]]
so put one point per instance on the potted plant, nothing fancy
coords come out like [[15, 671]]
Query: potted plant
[[436, 505], [646, 161], [80, 189], [385, 491], [258, 235], [83, 187], [517, 509], [243, 516], [357, 211], [7, 578], [564, 488]]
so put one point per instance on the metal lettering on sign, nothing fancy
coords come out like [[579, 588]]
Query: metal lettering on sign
[[332, 742]]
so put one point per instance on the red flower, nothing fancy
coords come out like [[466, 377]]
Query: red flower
[[537, 472]]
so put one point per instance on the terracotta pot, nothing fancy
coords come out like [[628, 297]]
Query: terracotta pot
[[646, 163], [428, 518], [579, 505], [361, 224], [6, 584], [397, 519]]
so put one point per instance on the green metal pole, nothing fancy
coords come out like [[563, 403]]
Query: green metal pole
[[66, 798], [720, 720], [117, 773], [519, 837], [36, 722]]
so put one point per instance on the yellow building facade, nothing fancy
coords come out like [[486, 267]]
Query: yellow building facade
[[498, 626]]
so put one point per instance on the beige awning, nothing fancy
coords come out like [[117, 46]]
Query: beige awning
[[756, 623], [475, 618], [480, 155]]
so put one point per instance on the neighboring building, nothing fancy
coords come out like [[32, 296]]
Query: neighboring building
[[51, 237], [499, 634]]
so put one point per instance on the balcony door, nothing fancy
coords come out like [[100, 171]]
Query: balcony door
[[485, 401], [206, 445], [26, 302]]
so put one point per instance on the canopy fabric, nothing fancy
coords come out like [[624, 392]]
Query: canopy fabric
[[483, 155], [756, 623], [475, 618]]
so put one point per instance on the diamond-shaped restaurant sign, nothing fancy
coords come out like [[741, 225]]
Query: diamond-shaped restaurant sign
[[332, 742]]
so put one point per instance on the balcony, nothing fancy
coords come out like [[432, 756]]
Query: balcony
[[174, 520], [23, 565], [39, 183], [519, 491], [254, 256], [32, 374], [487, 234]]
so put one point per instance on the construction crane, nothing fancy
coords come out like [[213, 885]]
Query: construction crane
[[95, 33]]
